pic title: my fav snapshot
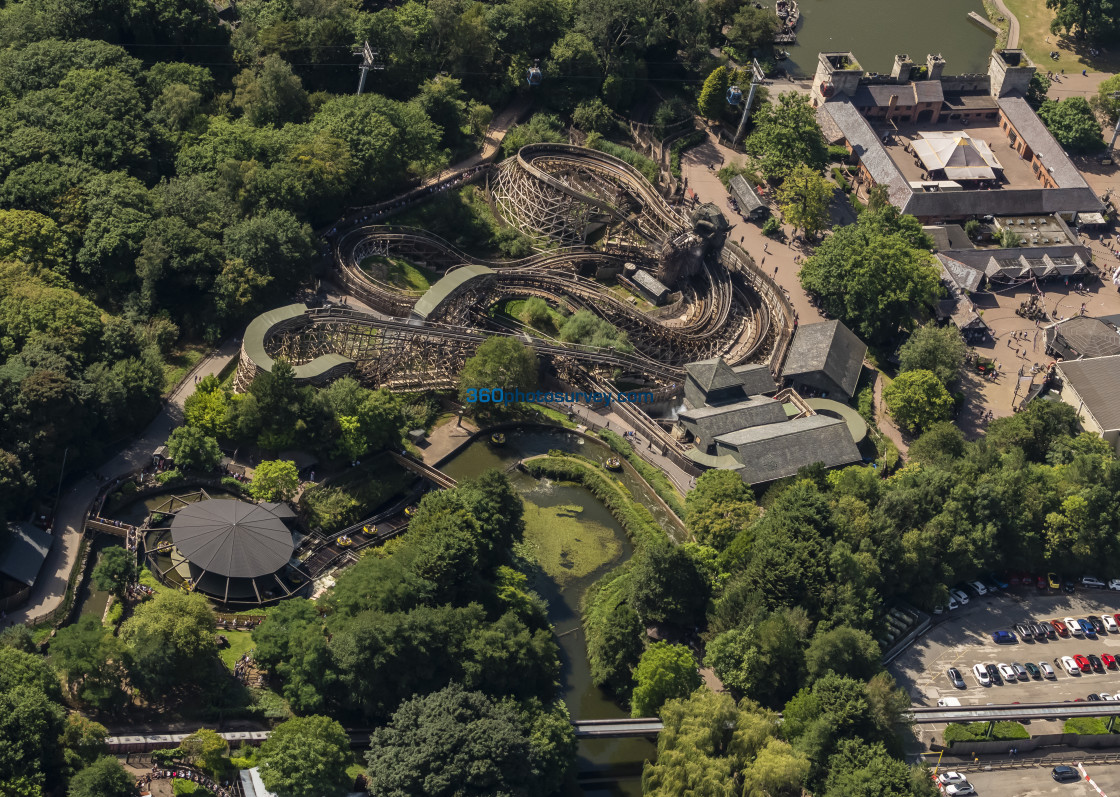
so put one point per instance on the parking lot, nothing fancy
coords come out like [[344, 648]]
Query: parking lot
[[1036, 782], [963, 638]]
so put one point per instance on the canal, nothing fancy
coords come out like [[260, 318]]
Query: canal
[[576, 541], [875, 30]]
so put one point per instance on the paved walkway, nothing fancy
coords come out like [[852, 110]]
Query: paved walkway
[[50, 587], [445, 438], [1012, 22]]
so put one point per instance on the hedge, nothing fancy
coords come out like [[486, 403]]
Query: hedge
[[1089, 726], [978, 732], [654, 477], [678, 148]]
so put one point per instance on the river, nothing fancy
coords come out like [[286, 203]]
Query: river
[[875, 30], [593, 543]]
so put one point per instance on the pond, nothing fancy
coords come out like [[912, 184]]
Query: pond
[[577, 541], [875, 30]]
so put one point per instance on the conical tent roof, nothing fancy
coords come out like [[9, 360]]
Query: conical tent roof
[[232, 538]]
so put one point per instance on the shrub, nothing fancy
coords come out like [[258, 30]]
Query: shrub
[[771, 227], [671, 112], [841, 180], [678, 148], [837, 152], [231, 484], [169, 476], [978, 732], [972, 228], [116, 611], [1085, 725], [647, 167]]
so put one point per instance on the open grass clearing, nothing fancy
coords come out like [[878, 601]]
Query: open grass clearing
[[1034, 30], [399, 273]]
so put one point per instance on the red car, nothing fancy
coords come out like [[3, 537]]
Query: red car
[[1117, 618], [1109, 660], [1042, 582], [1083, 663], [1060, 627]]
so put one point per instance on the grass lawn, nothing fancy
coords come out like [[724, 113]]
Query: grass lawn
[[240, 642], [356, 493], [399, 273], [626, 295], [514, 307], [1034, 27], [179, 362]]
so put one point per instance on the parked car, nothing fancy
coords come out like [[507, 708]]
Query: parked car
[[1008, 673], [1059, 627], [955, 678], [1095, 663], [1071, 666], [1082, 663], [1087, 627], [1094, 697], [1110, 624], [1068, 586], [1032, 668], [1052, 580], [1065, 774], [953, 603], [1074, 627], [990, 586], [1109, 660], [1003, 637], [981, 674], [960, 789], [977, 588], [1047, 670], [962, 598], [1020, 671], [1024, 631], [1114, 583], [993, 673], [999, 580], [1041, 583], [1107, 696], [945, 778], [1047, 630], [1097, 623], [1092, 582]]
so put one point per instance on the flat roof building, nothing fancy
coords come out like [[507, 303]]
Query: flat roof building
[[1092, 387]]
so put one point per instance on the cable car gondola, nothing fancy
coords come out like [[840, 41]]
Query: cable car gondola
[[734, 95], [535, 74]]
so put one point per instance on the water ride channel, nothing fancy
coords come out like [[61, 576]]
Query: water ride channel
[[575, 541]]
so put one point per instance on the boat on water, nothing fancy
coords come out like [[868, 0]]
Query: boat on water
[[498, 438], [788, 13], [614, 463]]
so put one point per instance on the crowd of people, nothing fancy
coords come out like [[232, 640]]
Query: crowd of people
[[143, 785]]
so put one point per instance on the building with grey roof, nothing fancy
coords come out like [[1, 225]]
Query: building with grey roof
[[706, 423], [235, 552], [712, 382], [1082, 336], [756, 379], [1092, 387], [651, 287], [778, 450], [826, 356], [22, 552], [750, 204]]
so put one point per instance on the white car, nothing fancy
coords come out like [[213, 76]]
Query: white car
[[1070, 665], [1114, 584], [978, 588], [953, 604], [982, 674], [1008, 672], [1106, 696], [1047, 670], [962, 599], [1110, 623], [1092, 581], [951, 777], [960, 789], [1073, 626]]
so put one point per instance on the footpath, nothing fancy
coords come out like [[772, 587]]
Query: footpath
[[50, 587]]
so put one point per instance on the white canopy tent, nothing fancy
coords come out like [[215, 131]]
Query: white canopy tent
[[956, 154]]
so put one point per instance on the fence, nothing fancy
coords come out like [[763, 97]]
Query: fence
[[1078, 740]]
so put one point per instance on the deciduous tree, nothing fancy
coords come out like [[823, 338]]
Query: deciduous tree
[[804, 197], [917, 400], [786, 134], [306, 757], [274, 480], [192, 449], [664, 672], [941, 350], [115, 570]]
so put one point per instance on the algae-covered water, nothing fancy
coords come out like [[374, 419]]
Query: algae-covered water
[[576, 541]]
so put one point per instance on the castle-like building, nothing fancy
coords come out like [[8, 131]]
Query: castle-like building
[[950, 147]]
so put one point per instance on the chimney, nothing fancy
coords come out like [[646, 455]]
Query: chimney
[[935, 65], [901, 69]]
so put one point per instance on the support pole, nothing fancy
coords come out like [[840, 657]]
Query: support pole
[[757, 77], [1116, 132], [369, 61]]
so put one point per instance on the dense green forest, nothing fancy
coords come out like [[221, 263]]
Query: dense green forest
[[162, 171]]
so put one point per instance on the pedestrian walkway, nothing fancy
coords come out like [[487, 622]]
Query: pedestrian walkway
[[50, 586]]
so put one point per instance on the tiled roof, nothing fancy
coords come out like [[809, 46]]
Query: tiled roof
[[781, 449], [712, 374], [869, 149], [748, 199], [1034, 132], [756, 379], [827, 347], [709, 422], [22, 551]]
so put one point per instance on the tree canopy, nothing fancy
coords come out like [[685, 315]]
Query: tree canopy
[[1073, 123], [804, 197], [785, 135], [306, 757], [874, 275], [917, 400], [941, 350]]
